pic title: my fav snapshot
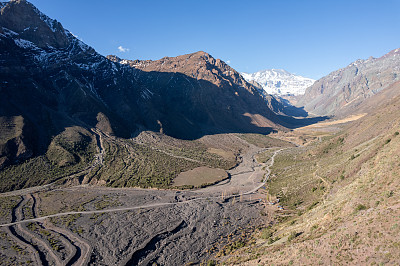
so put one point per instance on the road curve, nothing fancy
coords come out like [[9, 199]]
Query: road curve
[[154, 205]]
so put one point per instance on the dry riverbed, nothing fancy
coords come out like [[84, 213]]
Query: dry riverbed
[[110, 226]]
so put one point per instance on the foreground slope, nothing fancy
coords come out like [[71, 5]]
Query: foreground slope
[[340, 196]]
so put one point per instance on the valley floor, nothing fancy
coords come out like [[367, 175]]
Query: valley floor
[[330, 199], [75, 225]]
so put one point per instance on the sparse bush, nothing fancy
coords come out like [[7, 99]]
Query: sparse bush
[[297, 203], [293, 235], [360, 207], [211, 263], [314, 227], [235, 245], [315, 203], [266, 233]]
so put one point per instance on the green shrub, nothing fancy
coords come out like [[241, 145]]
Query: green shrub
[[211, 263], [293, 235], [360, 207], [315, 203], [266, 233], [389, 194]]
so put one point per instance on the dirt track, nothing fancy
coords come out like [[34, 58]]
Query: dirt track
[[149, 226]]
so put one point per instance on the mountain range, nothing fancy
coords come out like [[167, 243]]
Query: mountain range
[[342, 92], [51, 80], [77, 126], [279, 82]]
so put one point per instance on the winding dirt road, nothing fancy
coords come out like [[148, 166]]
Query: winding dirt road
[[236, 181], [246, 179]]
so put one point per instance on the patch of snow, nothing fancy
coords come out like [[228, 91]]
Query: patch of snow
[[280, 82], [114, 67], [25, 44], [9, 33], [41, 56], [146, 94], [82, 66], [84, 47], [50, 22], [38, 54], [76, 36]]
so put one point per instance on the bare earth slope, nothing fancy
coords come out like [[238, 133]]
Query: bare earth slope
[[341, 198]]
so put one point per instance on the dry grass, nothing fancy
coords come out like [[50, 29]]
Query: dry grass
[[199, 177], [264, 141], [353, 220], [356, 224], [332, 122], [227, 155]]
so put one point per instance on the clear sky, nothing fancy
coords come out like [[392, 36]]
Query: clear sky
[[306, 37]]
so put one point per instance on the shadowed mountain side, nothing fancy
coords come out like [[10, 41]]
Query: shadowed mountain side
[[50, 102], [189, 108], [283, 107], [292, 122], [49, 98]]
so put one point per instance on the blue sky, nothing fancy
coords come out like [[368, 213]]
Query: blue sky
[[306, 37]]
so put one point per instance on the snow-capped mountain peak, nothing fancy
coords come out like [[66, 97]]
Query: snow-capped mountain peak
[[279, 81]]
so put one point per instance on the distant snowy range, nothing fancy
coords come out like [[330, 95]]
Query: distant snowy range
[[279, 82]]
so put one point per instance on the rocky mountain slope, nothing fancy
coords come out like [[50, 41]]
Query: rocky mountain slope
[[280, 82], [342, 91], [196, 93], [49, 80]]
